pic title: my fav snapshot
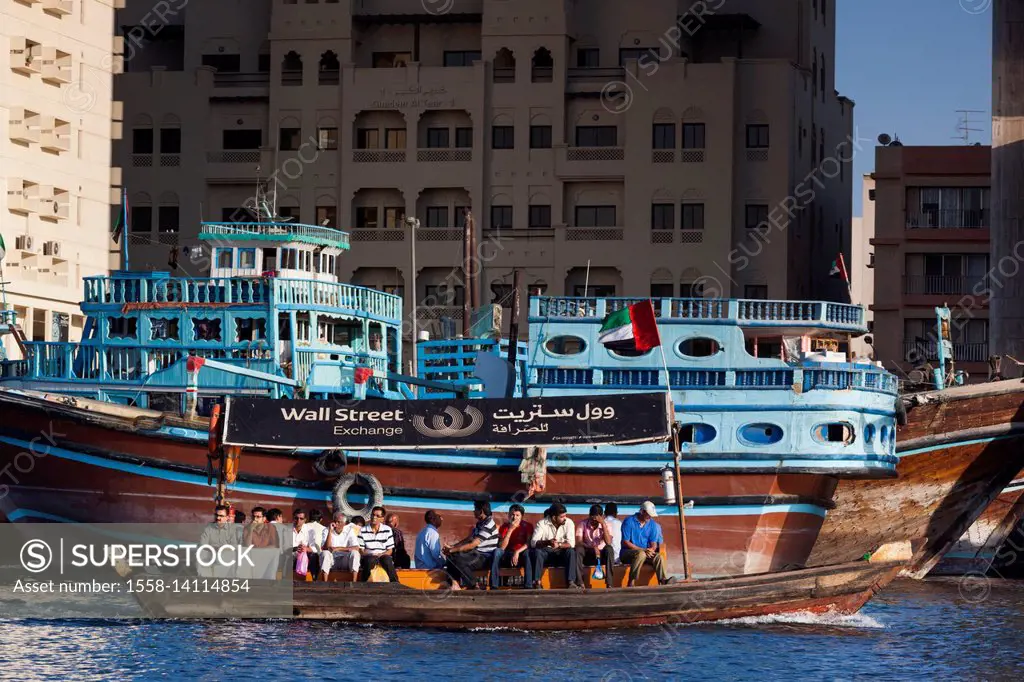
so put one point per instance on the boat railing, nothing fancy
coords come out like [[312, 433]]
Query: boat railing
[[746, 312], [58, 361], [276, 231], [454, 361], [311, 293], [8, 318], [168, 290], [305, 358], [788, 378]]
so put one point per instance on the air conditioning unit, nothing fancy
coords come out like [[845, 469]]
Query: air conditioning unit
[[51, 248], [25, 243]]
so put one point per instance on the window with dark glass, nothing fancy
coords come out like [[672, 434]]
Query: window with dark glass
[[224, 63], [170, 140], [444, 294], [595, 216], [661, 290], [263, 63], [141, 218], [247, 259], [588, 58], [501, 217], [461, 58], [463, 138], [693, 216], [503, 137], [664, 135], [327, 138], [756, 291], [293, 212], [242, 139], [290, 139], [460, 216], [366, 216], [391, 60], [757, 136], [225, 258], [437, 138], [540, 216], [597, 136], [142, 141], [367, 138], [167, 218], [327, 216], [756, 215], [123, 328], [540, 137], [693, 136], [393, 216], [594, 291], [437, 216], [663, 217]]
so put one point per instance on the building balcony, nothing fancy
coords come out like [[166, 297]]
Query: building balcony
[[943, 285], [56, 66], [378, 234], [241, 85], [56, 136], [437, 155], [378, 156], [594, 234], [384, 9], [917, 351], [58, 8], [949, 219], [590, 162], [669, 236], [438, 312], [25, 56], [23, 125], [234, 165]]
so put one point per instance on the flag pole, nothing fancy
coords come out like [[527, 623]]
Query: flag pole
[[676, 454], [124, 232]]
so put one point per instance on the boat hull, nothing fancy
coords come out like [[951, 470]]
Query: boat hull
[[101, 469], [975, 552], [957, 452], [840, 589]]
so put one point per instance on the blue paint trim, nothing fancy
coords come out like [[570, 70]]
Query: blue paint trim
[[403, 501], [975, 441]]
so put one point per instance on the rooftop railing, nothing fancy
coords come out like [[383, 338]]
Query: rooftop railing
[[745, 312], [280, 232]]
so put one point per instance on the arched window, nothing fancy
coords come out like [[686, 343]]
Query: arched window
[[330, 69], [504, 66], [543, 66], [291, 69]]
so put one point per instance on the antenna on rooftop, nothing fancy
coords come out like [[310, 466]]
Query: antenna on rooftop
[[965, 122]]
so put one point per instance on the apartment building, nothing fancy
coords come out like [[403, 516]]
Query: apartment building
[[602, 147], [56, 126], [931, 211], [862, 262]]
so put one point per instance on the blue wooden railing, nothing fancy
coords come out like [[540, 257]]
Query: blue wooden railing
[[454, 361]]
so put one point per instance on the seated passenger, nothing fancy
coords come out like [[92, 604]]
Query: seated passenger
[[428, 549], [474, 552], [402, 558], [341, 551], [377, 545], [265, 541], [554, 542], [611, 517], [305, 539], [641, 544], [594, 544], [514, 548]]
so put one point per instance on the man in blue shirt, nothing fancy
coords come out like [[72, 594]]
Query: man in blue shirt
[[641, 542], [428, 543]]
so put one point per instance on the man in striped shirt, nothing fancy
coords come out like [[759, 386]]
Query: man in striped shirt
[[476, 551], [377, 545]]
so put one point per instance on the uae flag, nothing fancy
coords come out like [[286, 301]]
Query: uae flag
[[839, 269], [3, 247], [631, 329]]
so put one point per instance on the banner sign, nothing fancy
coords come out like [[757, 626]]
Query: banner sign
[[415, 424]]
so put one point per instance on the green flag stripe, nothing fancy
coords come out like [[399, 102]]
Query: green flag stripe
[[620, 318]]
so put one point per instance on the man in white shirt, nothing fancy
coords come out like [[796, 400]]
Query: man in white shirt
[[377, 545], [341, 550], [611, 517], [304, 536], [554, 543]]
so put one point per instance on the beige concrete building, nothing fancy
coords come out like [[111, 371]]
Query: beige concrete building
[[55, 150], [663, 142], [931, 210], [862, 261]]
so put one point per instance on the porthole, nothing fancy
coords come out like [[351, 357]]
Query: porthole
[[869, 433], [565, 345], [760, 434], [699, 347], [696, 434], [836, 432]]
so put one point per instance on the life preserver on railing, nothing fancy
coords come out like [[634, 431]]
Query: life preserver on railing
[[901, 412], [332, 463], [368, 481]]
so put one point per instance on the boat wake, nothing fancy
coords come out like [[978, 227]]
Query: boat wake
[[838, 620]]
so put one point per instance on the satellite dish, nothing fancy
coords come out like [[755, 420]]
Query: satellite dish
[[884, 140], [896, 143]]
